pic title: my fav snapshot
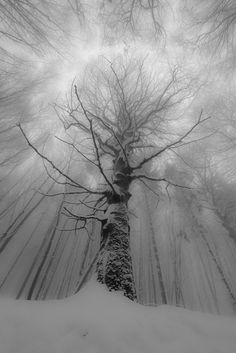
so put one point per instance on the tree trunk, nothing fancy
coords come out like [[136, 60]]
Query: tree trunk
[[114, 265]]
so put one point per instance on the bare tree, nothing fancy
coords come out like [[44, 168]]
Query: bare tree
[[33, 23], [130, 15], [216, 20], [218, 195], [119, 122]]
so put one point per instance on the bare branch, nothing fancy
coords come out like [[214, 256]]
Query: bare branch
[[94, 142], [83, 218], [172, 144], [74, 183], [77, 150], [142, 176], [216, 20], [127, 14]]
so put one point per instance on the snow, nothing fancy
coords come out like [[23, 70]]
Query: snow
[[97, 321]]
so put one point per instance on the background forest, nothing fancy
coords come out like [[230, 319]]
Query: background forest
[[183, 228]]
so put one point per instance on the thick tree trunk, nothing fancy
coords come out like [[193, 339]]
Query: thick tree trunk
[[114, 265]]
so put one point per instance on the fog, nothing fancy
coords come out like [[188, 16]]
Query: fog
[[183, 233]]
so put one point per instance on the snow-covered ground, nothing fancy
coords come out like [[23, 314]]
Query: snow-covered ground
[[96, 321]]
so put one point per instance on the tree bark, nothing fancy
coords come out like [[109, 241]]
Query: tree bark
[[114, 265]]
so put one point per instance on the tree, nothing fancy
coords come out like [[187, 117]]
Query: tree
[[134, 16], [34, 24], [218, 194], [118, 123], [216, 21]]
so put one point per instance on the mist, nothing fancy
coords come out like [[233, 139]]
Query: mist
[[183, 232]]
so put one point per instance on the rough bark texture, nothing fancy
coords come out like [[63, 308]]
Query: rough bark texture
[[114, 266]]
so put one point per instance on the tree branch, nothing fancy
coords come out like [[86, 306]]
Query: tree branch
[[142, 176], [172, 144], [94, 142], [74, 183]]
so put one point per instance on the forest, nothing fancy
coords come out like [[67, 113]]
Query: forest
[[118, 150]]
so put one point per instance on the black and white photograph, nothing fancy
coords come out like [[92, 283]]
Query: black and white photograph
[[117, 176]]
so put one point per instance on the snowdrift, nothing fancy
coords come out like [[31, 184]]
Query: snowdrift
[[96, 321]]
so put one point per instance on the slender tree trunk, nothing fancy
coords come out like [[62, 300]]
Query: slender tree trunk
[[114, 265]]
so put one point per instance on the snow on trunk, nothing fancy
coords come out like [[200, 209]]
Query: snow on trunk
[[114, 265]]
